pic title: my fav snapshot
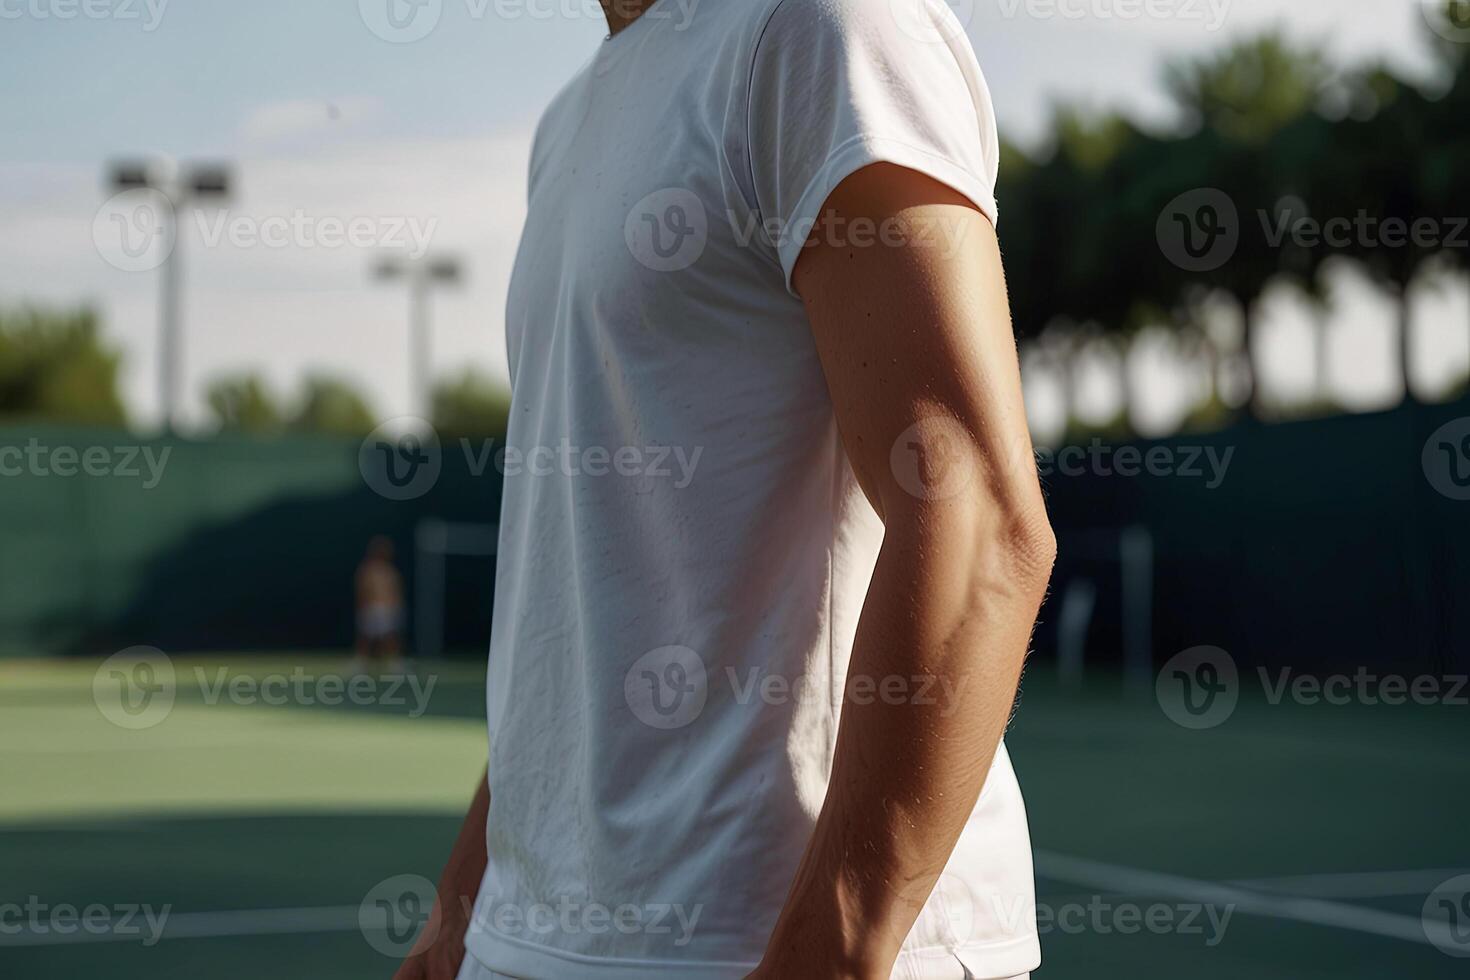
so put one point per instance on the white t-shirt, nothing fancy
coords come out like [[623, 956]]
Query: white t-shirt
[[684, 551]]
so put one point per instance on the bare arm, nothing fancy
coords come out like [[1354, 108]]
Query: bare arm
[[919, 357], [440, 949]]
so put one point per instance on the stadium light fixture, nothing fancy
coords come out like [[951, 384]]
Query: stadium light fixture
[[180, 187]]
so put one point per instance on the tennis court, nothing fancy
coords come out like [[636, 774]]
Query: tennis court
[[1292, 841]]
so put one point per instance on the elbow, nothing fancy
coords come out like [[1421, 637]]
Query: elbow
[[1027, 545], [997, 544]]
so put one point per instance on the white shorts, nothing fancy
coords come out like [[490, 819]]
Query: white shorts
[[376, 622], [473, 969]]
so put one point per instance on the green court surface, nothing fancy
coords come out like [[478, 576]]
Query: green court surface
[[1292, 841]]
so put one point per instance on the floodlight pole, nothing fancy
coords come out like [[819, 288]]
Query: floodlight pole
[[199, 182], [170, 336], [418, 342], [421, 275]]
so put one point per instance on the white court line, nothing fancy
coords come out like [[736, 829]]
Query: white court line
[[1361, 884], [210, 925], [1315, 911], [1060, 867]]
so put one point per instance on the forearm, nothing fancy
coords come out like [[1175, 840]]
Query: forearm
[[440, 946], [467, 859], [948, 622]]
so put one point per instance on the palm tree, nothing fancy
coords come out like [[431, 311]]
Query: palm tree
[[1447, 160], [1239, 100], [1372, 179]]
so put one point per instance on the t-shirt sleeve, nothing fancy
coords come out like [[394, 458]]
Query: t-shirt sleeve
[[837, 85]]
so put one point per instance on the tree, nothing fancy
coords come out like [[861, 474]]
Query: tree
[[1252, 89], [331, 406], [1071, 223], [1447, 160], [1240, 100], [54, 366], [471, 405], [1374, 181], [244, 403]]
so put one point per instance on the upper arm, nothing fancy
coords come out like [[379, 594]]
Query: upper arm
[[913, 330], [876, 133]]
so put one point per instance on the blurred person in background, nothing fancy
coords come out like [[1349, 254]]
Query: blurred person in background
[[379, 587], [865, 517]]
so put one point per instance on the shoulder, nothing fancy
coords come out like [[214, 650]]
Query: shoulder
[[814, 20]]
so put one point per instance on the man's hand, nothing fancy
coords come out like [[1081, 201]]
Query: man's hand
[[916, 345], [439, 951]]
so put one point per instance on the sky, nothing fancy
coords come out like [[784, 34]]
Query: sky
[[334, 120]]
